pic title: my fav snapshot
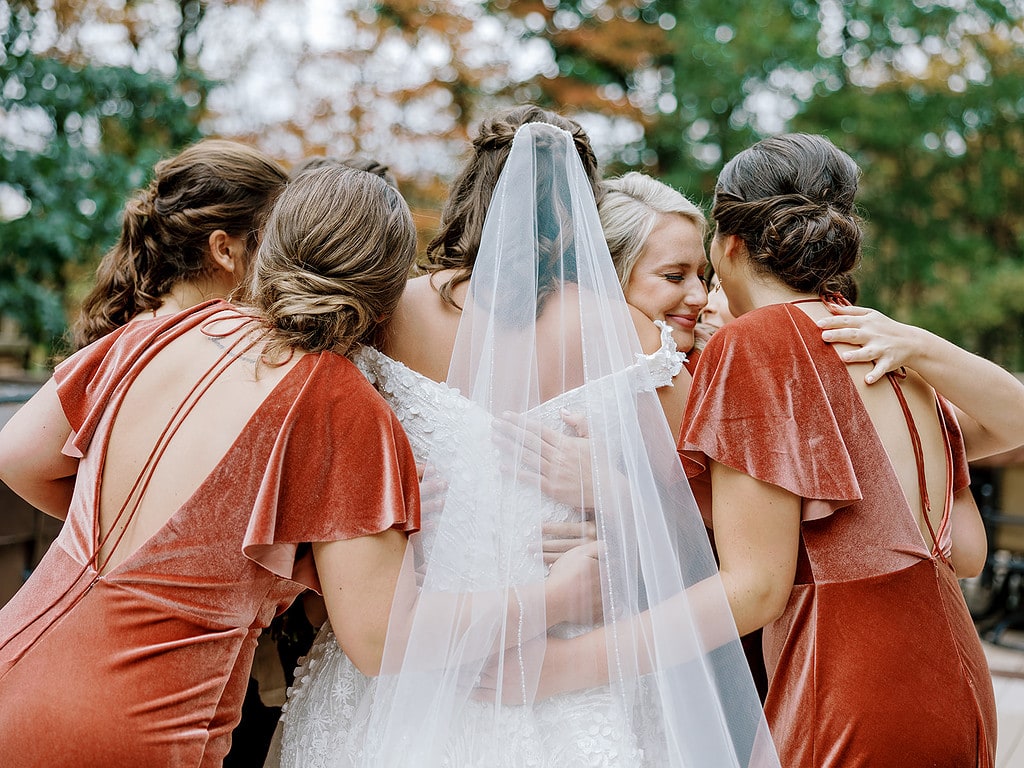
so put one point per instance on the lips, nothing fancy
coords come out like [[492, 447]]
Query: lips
[[683, 321]]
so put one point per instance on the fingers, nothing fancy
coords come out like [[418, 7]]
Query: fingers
[[585, 530], [592, 549], [578, 421], [851, 311], [877, 372]]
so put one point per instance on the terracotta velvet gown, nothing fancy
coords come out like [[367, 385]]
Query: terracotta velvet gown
[[146, 665], [875, 661]]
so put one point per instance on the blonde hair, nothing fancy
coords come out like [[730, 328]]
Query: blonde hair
[[629, 208], [336, 253]]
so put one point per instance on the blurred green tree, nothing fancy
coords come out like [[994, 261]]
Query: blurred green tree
[[77, 138], [925, 95]]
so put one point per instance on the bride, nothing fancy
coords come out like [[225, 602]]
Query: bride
[[528, 333]]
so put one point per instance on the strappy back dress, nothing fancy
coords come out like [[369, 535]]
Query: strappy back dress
[[146, 664], [875, 661]]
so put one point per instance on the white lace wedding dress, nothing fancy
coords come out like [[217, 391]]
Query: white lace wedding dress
[[325, 719]]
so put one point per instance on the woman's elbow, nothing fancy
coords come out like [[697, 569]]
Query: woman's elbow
[[773, 601], [760, 603]]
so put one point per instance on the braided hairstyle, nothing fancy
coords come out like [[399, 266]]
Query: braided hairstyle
[[462, 219], [790, 199], [336, 253], [213, 184]]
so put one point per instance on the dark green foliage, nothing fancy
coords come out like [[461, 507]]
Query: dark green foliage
[[80, 138], [941, 145]]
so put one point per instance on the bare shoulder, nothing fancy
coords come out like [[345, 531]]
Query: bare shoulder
[[421, 333]]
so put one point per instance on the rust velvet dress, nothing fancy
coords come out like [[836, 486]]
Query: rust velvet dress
[[146, 665], [875, 661]]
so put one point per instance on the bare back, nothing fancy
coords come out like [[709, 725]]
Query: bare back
[[422, 333], [185, 455], [883, 408]]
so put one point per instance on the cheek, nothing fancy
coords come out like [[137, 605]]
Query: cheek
[[641, 294]]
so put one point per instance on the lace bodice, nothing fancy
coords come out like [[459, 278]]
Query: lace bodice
[[453, 437], [325, 718]]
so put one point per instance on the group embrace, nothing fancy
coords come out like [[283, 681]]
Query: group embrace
[[540, 519]]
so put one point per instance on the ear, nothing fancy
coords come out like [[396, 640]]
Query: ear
[[733, 246], [228, 252]]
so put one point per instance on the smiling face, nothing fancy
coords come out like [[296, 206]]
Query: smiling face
[[666, 282]]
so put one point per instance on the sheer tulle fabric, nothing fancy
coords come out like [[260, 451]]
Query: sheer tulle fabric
[[545, 330]]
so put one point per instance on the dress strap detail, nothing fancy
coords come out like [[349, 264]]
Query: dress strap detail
[[231, 352], [922, 480], [141, 482]]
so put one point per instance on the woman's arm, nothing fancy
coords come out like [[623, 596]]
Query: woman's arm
[[31, 462], [360, 581], [757, 533], [970, 543], [358, 577], [988, 399]]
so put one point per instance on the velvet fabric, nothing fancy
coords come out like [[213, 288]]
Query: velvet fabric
[[147, 664], [875, 661]]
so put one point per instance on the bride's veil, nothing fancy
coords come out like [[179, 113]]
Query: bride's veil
[[545, 331]]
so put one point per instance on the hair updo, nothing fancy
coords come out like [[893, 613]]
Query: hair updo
[[212, 184], [790, 199], [462, 219], [335, 256]]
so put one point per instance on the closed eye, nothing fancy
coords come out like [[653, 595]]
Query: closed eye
[[674, 278]]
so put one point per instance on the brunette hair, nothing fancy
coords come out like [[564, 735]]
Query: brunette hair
[[790, 199], [213, 184], [359, 162], [629, 209], [336, 253], [462, 219]]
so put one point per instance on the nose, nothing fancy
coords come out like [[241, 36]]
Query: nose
[[697, 296]]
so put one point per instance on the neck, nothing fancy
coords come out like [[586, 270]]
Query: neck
[[748, 289], [771, 290], [187, 294]]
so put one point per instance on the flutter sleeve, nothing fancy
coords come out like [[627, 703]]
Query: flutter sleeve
[[759, 403], [88, 381], [341, 468]]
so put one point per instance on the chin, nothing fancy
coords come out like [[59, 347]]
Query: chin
[[684, 339]]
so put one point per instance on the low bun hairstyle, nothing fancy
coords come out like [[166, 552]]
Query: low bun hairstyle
[[336, 253], [165, 230], [462, 219], [790, 199]]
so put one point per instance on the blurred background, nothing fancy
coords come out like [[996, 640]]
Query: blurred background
[[927, 96]]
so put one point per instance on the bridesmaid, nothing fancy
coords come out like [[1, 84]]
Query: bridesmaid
[[841, 511], [187, 454]]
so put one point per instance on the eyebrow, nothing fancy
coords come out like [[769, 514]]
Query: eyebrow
[[699, 266]]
